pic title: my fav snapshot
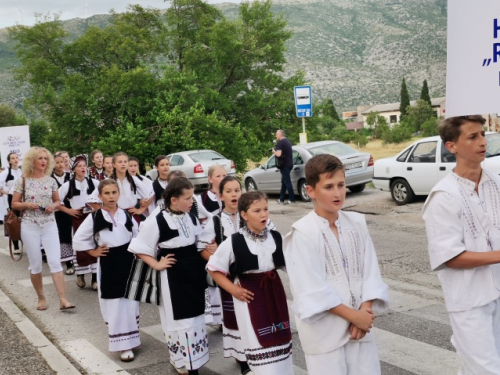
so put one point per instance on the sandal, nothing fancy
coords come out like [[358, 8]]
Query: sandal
[[42, 304]]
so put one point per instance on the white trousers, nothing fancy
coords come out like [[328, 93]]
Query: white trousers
[[354, 358], [476, 337], [35, 237]]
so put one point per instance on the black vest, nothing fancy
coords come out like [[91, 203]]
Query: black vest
[[66, 178], [219, 229], [195, 210], [166, 233], [158, 189], [246, 261], [209, 204], [73, 191], [100, 223]]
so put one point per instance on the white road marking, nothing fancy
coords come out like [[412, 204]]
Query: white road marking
[[91, 358], [415, 356]]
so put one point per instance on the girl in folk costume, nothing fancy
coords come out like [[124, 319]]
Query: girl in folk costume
[[134, 170], [65, 156], [132, 190], [197, 209], [97, 170], [107, 163], [211, 198], [162, 165], [63, 220], [106, 235], [8, 177], [167, 243], [217, 230], [245, 266], [74, 195]]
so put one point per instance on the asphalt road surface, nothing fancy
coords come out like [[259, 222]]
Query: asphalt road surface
[[412, 338]]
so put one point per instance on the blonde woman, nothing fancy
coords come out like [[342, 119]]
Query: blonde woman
[[38, 225]]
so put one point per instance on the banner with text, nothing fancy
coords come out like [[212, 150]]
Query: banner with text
[[473, 68], [14, 139]]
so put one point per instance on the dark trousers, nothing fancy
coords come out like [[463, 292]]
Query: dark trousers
[[286, 184]]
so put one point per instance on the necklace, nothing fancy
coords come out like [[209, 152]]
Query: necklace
[[261, 237], [172, 212]]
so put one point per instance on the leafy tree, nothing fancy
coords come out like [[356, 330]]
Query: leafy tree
[[405, 99], [430, 127], [398, 134], [330, 111], [378, 124], [424, 93], [418, 114], [38, 132], [152, 83], [7, 115]]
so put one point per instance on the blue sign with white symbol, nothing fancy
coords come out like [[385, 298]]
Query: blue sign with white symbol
[[303, 101]]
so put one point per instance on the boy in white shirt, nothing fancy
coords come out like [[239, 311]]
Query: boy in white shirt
[[334, 278], [462, 218]]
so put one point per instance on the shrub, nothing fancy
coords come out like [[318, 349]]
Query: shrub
[[430, 127], [398, 134]]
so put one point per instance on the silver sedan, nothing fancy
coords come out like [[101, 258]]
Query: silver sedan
[[358, 168], [195, 165]]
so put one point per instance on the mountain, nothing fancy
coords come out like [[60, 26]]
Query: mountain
[[352, 51]]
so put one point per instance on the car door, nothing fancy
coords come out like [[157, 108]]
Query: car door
[[448, 162], [270, 179], [297, 170], [421, 169]]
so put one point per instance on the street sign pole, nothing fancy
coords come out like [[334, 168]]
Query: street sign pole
[[303, 107]]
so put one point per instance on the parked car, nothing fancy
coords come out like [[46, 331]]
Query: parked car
[[267, 177], [416, 169], [195, 165]]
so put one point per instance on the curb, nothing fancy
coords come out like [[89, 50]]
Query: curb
[[55, 359]]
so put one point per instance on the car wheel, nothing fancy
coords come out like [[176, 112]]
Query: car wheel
[[250, 185], [401, 192], [303, 192], [357, 188]]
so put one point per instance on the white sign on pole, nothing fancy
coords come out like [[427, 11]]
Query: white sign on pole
[[14, 139], [473, 68]]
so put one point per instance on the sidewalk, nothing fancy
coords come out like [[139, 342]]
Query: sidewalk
[[25, 349]]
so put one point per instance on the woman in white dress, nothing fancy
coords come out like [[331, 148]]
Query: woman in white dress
[[106, 235], [245, 266], [167, 243]]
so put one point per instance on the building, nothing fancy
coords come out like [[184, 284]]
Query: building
[[390, 111]]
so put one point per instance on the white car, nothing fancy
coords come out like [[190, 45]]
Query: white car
[[416, 169]]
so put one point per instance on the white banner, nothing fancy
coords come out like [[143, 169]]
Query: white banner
[[473, 68], [14, 139]]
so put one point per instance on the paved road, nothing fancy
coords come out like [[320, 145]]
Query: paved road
[[413, 338]]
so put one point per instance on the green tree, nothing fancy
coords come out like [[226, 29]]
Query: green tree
[[418, 114], [430, 127], [398, 134], [405, 99], [330, 111], [38, 132], [7, 115], [120, 86], [378, 124], [424, 93]]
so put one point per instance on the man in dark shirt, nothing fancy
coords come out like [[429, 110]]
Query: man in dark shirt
[[284, 159]]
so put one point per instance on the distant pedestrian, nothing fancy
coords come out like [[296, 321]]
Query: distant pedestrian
[[8, 178], [284, 162], [463, 229], [38, 226], [96, 171]]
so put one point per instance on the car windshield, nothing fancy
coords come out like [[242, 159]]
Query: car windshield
[[493, 148], [337, 149], [205, 156]]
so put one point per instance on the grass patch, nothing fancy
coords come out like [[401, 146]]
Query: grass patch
[[379, 150]]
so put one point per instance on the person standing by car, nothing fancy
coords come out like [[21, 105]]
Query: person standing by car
[[284, 162]]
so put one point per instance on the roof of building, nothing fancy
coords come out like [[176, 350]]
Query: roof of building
[[393, 107], [354, 125]]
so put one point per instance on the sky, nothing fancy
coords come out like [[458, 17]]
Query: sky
[[14, 12]]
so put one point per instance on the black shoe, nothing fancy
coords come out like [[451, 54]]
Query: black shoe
[[1, 222]]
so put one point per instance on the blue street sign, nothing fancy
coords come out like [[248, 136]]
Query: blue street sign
[[303, 101]]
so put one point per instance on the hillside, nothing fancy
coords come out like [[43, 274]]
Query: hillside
[[353, 51]]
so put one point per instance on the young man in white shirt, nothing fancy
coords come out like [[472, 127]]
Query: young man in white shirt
[[334, 277], [462, 217]]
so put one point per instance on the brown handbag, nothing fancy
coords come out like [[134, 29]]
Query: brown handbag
[[12, 225]]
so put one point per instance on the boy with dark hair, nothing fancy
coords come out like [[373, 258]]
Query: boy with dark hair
[[334, 278], [462, 218]]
